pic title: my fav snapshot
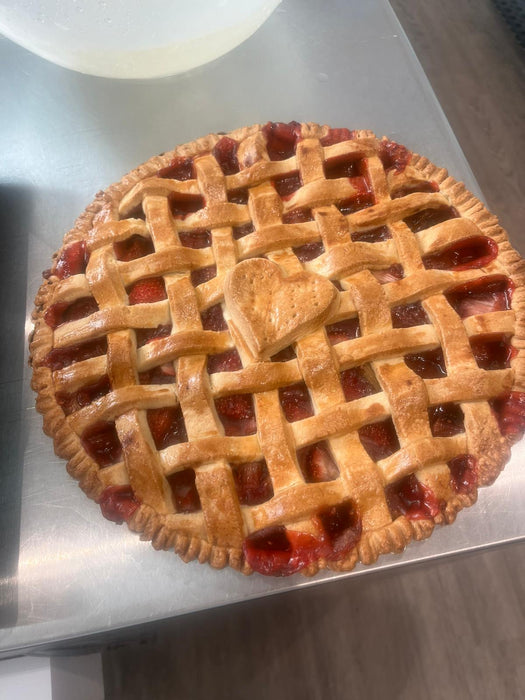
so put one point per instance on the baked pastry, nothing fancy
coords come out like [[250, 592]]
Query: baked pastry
[[286, 348]]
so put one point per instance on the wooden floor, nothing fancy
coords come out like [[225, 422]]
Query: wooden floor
[[454, 629]]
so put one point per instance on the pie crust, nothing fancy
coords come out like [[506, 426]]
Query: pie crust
[[286, 348]]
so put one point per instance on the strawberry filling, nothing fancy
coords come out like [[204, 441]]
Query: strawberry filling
[[426, 218], [213, 319], [101, 443], [492, 351], [428, 365], [317, 463], [463, 473], [64, 312], [510, 412], [147, 291], [199, 238], [337, 136], [228, 361], [118, 503], [409, 315], [72, 261], [481, 296], [225, 152], [203, 274], [58, 358], [243, 230], [253, 483], [237, 414], [133, 247], [347, 329], [239, 196], [394, 155], [355, 384], [184, 493], [342, 166], [363, 198], [295, 402], [446, 420], [281, 139], [163, 374], [146, 335], [309, 251], [276, 551], [411, 498], [286, 186], [391, 274], [418, 187], [83, 397], [180, 168], [183, 204], [373, 235], [298, 216], [166, 426], [379, 439], [468, 254]]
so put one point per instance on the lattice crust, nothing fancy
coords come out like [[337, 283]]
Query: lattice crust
[[334, 205]]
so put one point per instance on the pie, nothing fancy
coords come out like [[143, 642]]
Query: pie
[[283, 349]]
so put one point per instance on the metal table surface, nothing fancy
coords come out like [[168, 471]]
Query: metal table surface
[[65, 572]]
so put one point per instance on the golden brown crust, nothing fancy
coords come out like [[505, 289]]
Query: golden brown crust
[[109, 218]]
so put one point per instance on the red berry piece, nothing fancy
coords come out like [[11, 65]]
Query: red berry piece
[[469, 254], [225, 152], [118, 503], [446, 420], [281, 139], [342, 527], [133, 247], [355, 384], [274, 551], [346, 329], [72, 261], [463, 473], [253, 483], [237, 414], [166, 426], [409, 315], [180, 168], [317, 463], [481, 296], [394, 155], [337, 136], [102, 444], [411, 498], [296, 402], [379, 439], [429, 364], [510, 412], [184, 491], [147, 291]]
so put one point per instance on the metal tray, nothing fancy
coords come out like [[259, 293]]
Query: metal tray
[[65, 572]]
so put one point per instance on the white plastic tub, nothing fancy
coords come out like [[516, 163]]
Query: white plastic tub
[[132, 38]]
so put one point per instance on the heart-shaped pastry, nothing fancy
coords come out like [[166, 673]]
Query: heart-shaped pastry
[[270, 311]]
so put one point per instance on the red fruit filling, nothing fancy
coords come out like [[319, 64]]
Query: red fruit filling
[[394, 155], [213, 319], [510, 412], [147, 291], [253, 483], [237, 414], [411, 498], [374, 235], [309, 251], [118, 503], [363, 198], [379, 439], [428, 365], [244, 230], [355, 384], [426, 218], [166, 426], [164, 374], [419, 187], [342, 166], [225, 152], [58, 358], [337, 136], [83, 397], [133, 247], [463, 473], [72, 261], [276, 551], [180, 168], [284, 355], [409, 315], [298, 216], [101, 443], [64, 311], [286, 186], [199, 238], [317, 463], [228, 361], [446, 420], [492, 351], [468, 254], [239, 196], [281, 139], [486, 294], [295, 402], [183, 204], [391, 274], [146, 335], [347, 329], [203, 274], [184, 493]]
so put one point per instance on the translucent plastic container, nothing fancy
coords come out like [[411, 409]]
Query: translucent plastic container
[[132, 38]]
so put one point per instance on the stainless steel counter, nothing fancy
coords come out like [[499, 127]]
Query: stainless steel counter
[[65, 572]]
